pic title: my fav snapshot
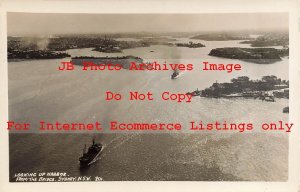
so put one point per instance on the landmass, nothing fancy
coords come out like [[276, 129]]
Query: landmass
[[270, 86], [225, 36], [255, 55], [270, 39], [100, 43], [16, 55], [158, 40], [114, 46]]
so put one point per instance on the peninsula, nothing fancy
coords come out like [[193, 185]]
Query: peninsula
[[244, 87], [254, 55], [16, 55]]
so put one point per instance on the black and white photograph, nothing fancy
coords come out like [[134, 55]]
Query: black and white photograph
[[148, 97]]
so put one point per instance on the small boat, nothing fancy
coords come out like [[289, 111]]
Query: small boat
[[285, 110], [175, 74], [269, 98]]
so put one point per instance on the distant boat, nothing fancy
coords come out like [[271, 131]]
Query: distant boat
[[194, 93], [175, 74], [269, 98], [285, 110], [91, 155]]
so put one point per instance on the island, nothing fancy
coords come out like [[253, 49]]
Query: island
[[190, 45], [270, 39], [254, 55]]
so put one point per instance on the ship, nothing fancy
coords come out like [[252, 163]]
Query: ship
[[269, 98], [285, 110], [91, 155], [175, 74], [194, 93]]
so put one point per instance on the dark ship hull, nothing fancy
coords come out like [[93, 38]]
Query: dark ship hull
[[175, 75], [194, 93], [91, 156]]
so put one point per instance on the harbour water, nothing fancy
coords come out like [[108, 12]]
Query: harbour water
[[38, 91]]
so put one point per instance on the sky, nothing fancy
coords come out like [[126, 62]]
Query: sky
[[70, 23]]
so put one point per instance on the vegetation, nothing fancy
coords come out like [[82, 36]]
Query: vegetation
[[270, 39], [244, 85], [255, 55]]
